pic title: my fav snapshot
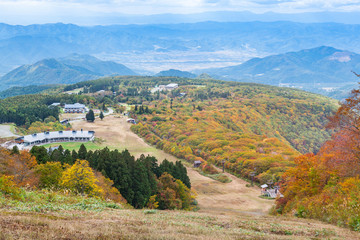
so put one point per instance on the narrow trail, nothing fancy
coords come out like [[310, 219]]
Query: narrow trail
[[213, 197]]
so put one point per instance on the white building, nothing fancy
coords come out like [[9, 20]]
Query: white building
[[168, 87], [59, 136], [171, 86], [74, 108]]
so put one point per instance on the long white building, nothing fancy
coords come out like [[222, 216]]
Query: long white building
[[59, 136], [74, 108]]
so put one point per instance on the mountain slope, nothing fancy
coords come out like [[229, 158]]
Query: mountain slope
[[321, 67], [32, 89], [175, 73], [97, 66], [67, 70]]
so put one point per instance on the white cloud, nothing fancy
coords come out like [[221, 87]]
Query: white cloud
[[40, 11]]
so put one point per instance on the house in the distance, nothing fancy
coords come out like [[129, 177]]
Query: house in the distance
[[131, 120], [197, 164], [171, 86], [74, 108], [55, 104]]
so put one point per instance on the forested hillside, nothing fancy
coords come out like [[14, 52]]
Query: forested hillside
[[253, 128], [32, 89], [26, 109], [326, 186]]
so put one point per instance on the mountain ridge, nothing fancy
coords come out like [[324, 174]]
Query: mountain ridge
[[195, 43], [71, 69], [318, 68]]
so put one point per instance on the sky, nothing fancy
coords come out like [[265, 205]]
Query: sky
[[94, 12]]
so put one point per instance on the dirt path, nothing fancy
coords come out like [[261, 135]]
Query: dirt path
[[5, 131], [215, 197]]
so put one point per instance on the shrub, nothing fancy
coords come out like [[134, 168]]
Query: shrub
[[9, 188]]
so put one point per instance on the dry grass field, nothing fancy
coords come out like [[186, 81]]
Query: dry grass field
[[145, 224]]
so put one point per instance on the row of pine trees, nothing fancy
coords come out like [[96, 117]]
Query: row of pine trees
[[136, 179]]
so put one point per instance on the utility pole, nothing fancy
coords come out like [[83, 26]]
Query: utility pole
[[252, 178], [252, 174]]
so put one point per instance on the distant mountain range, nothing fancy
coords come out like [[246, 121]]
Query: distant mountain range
[[234, 16], [191, 43], [348, 17], [317, 69], [67, 70], [175, 73]]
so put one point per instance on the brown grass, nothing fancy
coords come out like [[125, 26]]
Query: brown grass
[[136, 224]]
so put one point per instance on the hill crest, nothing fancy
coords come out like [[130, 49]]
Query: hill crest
[[67, 70]]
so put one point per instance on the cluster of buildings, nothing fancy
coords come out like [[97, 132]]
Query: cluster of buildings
[[58, 136], [168, 87]]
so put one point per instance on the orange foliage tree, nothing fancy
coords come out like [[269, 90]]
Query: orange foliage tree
[[21, 166], [327, 185]]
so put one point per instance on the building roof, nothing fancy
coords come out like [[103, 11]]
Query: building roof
[[172, 85], [76, 105], [58, 134], [51, 149]]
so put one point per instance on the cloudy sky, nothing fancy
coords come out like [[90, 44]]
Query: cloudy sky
[[94, 11]]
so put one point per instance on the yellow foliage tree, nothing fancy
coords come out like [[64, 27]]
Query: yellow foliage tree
[[49, 174], [81, 178], [153, 204], [108, 192]]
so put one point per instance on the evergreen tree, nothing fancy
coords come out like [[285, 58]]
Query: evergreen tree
[[152, 168], [141, 186], [67, 157], [56, 156], [165, 166], [90, 116], [181, 173], [15, 150], [82, 152], [40, 153], [74, 156], [61, 149], [102, 115]]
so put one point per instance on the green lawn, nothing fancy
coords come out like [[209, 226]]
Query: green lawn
[[76, 145], [95, 146]]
